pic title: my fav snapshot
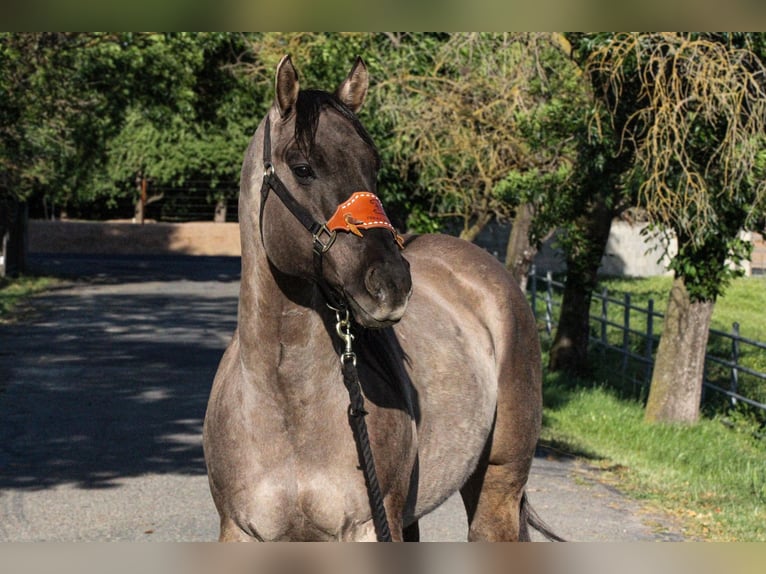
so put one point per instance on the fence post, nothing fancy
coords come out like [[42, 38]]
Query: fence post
[[625, 335], [604, 319], [549, 303], [734, 360], [533, 286], [649, 341], [604, 304]]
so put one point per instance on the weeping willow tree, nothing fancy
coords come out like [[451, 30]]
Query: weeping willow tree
[[485, 126], [695, 112]]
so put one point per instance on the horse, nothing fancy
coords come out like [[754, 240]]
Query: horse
[[445, 349]]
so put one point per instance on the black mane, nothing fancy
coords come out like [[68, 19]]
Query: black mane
[[308, 107]]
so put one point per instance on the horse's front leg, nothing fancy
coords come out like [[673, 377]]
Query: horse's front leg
[[366, 532], [230, 532]]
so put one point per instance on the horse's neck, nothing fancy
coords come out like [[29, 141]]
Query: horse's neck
[[279, 334]]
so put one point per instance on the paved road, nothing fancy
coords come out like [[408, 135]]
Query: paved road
[[102, 395]]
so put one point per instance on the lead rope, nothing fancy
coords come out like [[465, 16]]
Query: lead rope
[[356, 414]]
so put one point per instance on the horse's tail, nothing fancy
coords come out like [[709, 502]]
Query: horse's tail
[[530, 518]]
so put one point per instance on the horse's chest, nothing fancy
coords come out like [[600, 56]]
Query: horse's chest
[[298, 502], [305, 479]]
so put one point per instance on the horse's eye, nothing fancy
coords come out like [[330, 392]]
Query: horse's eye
[[303, 172]]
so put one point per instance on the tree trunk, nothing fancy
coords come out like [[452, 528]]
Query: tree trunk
[[138, 212], [569, 351], [676, 388], [13, 238], [4, 237], [520, 252], [220, 211], [140, 209]]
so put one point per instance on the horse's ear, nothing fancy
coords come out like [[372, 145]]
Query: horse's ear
[[353, 89], [287, 86]]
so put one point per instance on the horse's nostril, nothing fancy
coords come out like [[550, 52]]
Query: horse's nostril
[[374, 285]]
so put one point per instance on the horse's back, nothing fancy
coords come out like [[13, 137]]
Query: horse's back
[[463, 280], [463, 268]]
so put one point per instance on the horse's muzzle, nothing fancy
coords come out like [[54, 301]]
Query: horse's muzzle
[[387, 290]]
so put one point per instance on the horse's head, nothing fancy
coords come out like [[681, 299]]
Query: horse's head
[[319, 217]]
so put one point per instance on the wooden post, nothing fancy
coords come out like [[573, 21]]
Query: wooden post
[[549, 303], [533, 278]]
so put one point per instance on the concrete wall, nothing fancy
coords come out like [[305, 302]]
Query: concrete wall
[[633, 251], [123, 238], [630, 251]]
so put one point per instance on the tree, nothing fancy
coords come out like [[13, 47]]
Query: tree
[[698, 112], [44, 102], [464, 124], [197, 132], [74, 108], [597, 195]]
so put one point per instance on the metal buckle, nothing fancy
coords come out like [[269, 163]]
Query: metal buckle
[[322, 232]]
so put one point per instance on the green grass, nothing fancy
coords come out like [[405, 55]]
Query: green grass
[[744, 301], [15, 291], [711, 477]]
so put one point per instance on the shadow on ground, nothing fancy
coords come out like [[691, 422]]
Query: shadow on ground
[[118, 269], [109, 378]]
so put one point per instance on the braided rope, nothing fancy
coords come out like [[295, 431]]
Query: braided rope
[[356, 414]]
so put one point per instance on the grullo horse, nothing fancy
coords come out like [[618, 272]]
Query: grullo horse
[[442, 340]]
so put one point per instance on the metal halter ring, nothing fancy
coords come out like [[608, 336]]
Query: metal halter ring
[[322, 247]]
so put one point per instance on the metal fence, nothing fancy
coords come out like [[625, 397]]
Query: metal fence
[[630, 333], [190, 203]]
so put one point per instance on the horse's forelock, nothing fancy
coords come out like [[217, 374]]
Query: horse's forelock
[[308, 108]]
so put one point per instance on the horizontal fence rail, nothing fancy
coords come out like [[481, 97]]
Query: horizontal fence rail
[[631, 332]]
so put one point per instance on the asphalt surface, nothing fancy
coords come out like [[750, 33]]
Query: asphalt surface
[[103, 387]]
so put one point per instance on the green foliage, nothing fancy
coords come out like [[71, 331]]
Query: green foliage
[[83, 114], [691, 109], [15, 292], [482, 124], [198, 134], [704, 267]]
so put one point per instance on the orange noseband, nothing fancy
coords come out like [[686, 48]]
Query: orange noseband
[[363, 210]]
